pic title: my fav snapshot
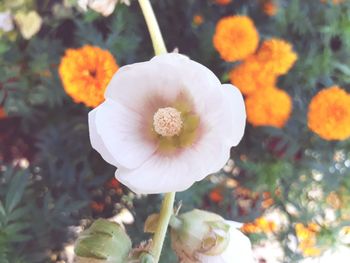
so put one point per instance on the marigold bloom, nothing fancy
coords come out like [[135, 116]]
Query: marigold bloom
[[223, 2], [235, 38], [307, 236], [269, 107], [251, 76], [329, 114], [85, 73], [270, 7], [277, 56], [160, 124]]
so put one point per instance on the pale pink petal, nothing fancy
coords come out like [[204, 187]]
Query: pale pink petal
[[122, 135], [137, 84], [157, 175], [233, 117], [162, 174], [96, 140]]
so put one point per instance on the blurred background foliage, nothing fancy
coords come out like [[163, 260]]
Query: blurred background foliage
[[52, 181]]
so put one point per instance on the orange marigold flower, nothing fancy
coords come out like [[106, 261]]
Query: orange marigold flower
[[270, 7], [251, 76], [85, 73], [223, 2], [277, 56], [198, 20], [216, 195], [269, 107], [329, 114], [235, 38]]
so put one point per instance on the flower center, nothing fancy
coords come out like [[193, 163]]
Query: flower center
[[167, 122]]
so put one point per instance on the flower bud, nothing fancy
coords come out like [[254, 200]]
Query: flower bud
[[200, 236], [103, 242]]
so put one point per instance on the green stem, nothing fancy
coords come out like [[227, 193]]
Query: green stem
[[166, 210], [153, 27]]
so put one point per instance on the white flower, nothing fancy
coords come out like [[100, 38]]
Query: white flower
[[166, 124], [238, 250], [29, 23], [6, 23], [104, 7]]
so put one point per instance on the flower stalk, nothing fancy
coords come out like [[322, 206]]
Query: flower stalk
[[166, 210], [153, 27]]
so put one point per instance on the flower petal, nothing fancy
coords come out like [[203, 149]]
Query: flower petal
[[97, 142], [238, 250], [122, 135], [135, 85], [234, 117], [161, 174]]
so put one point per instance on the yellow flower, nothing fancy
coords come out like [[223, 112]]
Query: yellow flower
[[329, 114], [269, 107], [85, 73], [277, 56], [29, 23], [307, 237], [251, 76], [235, 38]]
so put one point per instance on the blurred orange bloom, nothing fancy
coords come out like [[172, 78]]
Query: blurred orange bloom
[[223, 2], [251, 76], [97, 207], [198, 19], [270, 7], [277, 56], [85, 73], [329, 114], [260, 225], [334, 1], [216, 195], [269, 107], [2, 113], [235, 38]]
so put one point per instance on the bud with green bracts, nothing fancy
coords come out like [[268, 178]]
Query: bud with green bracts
[[201, 236], [103, 242]]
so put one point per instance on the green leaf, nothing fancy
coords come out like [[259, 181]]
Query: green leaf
[[16, 189]]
